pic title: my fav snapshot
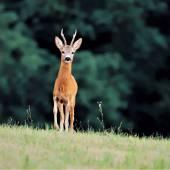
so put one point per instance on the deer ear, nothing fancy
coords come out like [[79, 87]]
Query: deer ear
[[77, 44], [58, 43]]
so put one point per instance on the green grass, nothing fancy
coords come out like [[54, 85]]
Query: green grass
[[22, 148]]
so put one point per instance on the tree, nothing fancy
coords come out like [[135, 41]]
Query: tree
[[121, 62]]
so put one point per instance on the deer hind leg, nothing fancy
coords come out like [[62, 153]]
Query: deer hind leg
[[72, 116], [55, 114], [60, 107], [67, 110]]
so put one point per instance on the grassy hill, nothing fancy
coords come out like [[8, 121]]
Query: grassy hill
[[22, 147]]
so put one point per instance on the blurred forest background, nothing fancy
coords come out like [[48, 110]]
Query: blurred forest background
[[123, 61]]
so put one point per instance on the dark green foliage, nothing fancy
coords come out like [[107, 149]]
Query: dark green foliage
[[123, 60]]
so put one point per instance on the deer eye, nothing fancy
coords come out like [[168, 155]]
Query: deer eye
[[72, 53], [63, 52]]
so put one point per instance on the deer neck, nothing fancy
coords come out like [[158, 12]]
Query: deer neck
[[65, 70]]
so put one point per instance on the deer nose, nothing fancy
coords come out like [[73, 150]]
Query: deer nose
[[67, 59]]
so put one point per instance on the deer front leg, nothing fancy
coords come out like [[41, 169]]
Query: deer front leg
[[71, 118], [60, 107], [55, 114], [72, 114], [67, 116]]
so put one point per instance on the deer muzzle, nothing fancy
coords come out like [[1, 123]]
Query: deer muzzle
[[67, 59]]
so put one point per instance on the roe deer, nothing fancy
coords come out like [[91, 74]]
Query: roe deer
[[65, 88]]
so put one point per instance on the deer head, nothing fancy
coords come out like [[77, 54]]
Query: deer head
[[67, 51]]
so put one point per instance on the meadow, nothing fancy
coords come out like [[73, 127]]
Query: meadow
[[22, 147]]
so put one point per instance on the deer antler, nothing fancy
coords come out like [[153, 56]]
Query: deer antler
[[65, 42], [74, 35]]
